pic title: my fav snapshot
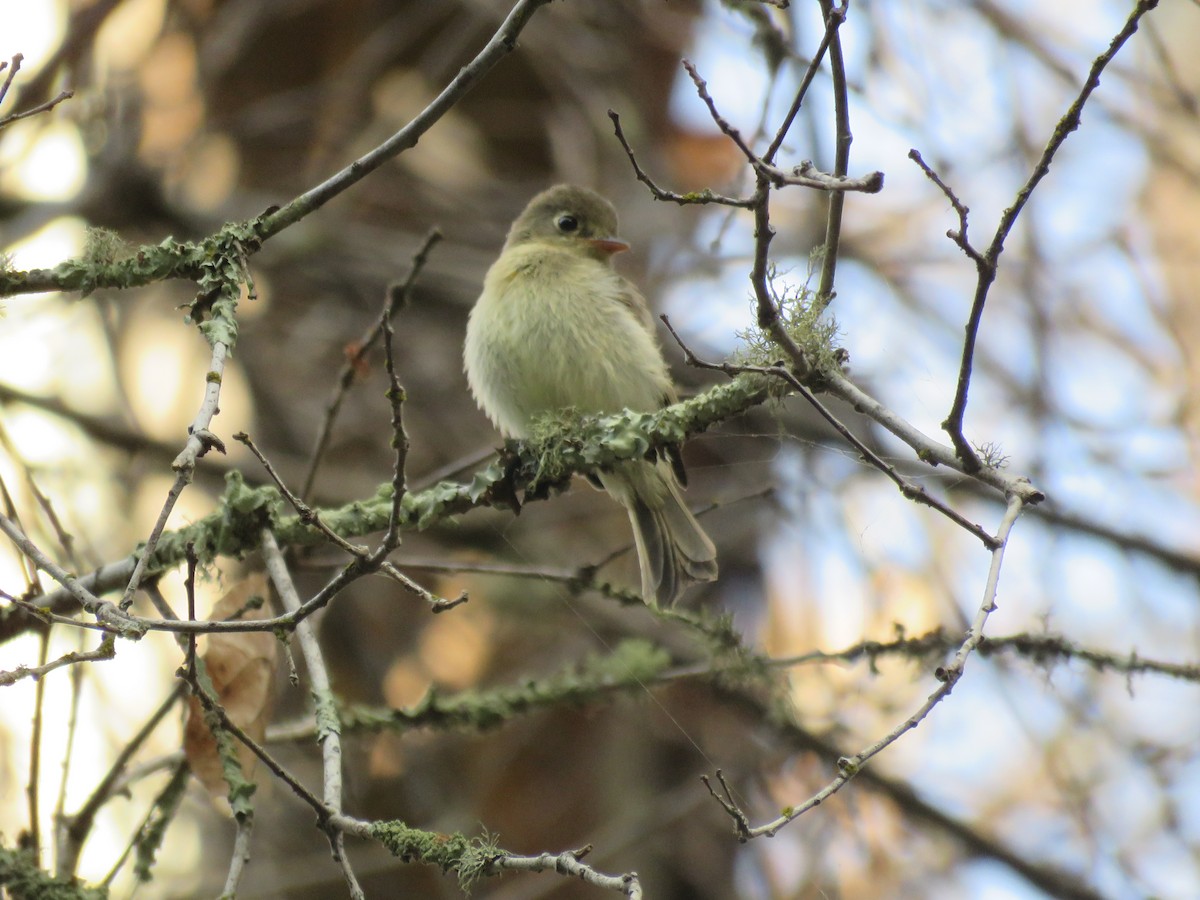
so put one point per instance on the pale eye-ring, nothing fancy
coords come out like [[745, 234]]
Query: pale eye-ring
[[567, 224]]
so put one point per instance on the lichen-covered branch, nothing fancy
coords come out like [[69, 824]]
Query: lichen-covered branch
[[526, 472], [106, 264]]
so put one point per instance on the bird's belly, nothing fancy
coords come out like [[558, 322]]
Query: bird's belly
[[535, 358]]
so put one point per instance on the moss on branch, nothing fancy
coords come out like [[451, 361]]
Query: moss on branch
[[587, 445], [631, 665], [584, 445], [107, 262]]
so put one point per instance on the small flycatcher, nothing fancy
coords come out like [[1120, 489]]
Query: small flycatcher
[[557, 327]]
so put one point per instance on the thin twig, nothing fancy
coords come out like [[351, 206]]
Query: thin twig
[[33, 786], [69, 746], [500, 45], [850, 766], [953, 424], [356, 359], [74, 830], [307, 514], [33, 584], [961, 209], [569, 863], [834, 17], [909, 489], [400, 443], [699, 198], [1037, 647], [328, 731], [13, 68], [953, 672], [35, 110], [368, 561], [200, 441], [808, 175], [161, 606], [43, 616], [189, 589], [212, 706], [790, 116], [927, 449], [978, 842], [107, 614], [722, 123], [767, 308], [105, 651], [143, 560], [239, 857]]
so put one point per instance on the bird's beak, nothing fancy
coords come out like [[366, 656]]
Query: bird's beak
[[608, 245]]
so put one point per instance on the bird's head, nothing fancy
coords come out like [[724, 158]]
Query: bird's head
[[570, 217]]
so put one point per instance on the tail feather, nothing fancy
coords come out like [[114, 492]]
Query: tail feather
[[655, 554], [673, 550]]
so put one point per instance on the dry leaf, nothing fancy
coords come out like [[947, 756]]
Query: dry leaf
[[241, 666]]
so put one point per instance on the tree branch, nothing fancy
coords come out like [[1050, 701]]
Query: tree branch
[[987, 267]]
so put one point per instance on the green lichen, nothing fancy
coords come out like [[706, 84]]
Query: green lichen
[[103, 246], [465, 856], [162, 812], [631, 665], [240, 788], [805, 320], [21, 876], [581, 444], [567, 442]]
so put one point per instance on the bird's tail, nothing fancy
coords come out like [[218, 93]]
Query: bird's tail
[[673, 550]]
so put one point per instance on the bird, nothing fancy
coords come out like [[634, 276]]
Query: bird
[[556, 327]]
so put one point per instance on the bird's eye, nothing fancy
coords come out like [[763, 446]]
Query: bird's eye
[[567, 224]]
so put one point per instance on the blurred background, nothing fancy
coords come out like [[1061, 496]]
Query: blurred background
[[1037, 777]]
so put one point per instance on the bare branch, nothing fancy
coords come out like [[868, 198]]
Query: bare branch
[[107, 614], [699, 198], [13, 66], [73, 831], [569, 863], [105, 651], [357, 358], [722, 123], [850, 766], [400, 443], [834, 17], [325, 713], [959, 237], [807, 175], [35, 110], [239, 856], [500, 45], [908, 488], [953, 423]]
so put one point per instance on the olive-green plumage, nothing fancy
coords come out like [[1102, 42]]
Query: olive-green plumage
[[556, 327]]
